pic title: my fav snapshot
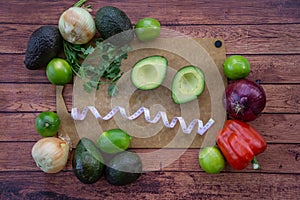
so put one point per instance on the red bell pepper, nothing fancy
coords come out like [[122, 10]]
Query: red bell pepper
[[240, 143]]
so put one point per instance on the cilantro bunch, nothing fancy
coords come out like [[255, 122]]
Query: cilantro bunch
[[97, 65]]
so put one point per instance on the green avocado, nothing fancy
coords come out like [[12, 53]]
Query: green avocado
[[43, 45], [188, 84], [149, 73], [124, 168], [111, 21], [87, 162]]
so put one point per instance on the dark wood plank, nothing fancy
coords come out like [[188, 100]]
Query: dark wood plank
[[275, 128], [282, 98], [13, 70], [275, 68], [267, 68], [278, 128], [267, 32], [239, 39], [271, 161], [174, 12], [154, 185], [250, 39], [12, 123], [14, 37], [30, 97], [41, 97]]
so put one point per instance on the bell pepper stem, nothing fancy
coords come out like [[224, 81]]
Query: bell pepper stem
[[255, 164]]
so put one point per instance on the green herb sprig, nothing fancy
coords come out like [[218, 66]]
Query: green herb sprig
[[108, 58], [75, 53]]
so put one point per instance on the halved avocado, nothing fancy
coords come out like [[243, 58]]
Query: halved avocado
[[149, 73], [188, 84]]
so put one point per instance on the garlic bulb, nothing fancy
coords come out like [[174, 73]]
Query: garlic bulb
[[50, 154], [77, 25]]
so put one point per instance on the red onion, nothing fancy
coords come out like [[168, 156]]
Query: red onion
[[244, 100]]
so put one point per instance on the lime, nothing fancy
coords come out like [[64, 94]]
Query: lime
[[236, 67], [59, 72], [211, 160], [147, 29], [114, 141], [47, 123]]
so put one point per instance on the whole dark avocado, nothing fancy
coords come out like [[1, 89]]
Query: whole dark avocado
[[111, 21], [124, 168], [87, 162], [43, 45]]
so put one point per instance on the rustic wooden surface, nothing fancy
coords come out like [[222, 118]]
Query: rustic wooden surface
[[267, 32]]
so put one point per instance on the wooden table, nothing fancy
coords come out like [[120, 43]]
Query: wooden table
[[267, 32]]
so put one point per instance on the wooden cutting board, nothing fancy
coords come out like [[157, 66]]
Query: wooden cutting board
[[202, 53]]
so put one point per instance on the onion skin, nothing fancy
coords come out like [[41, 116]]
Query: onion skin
[[244, 100], [50, 154], [77, 25]]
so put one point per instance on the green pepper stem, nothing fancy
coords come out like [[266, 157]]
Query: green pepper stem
[[255, 164]]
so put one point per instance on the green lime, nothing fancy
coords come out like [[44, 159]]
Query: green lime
[[114, 141], [147, 29], [211, 160], [236, 67], [47, 123], [59, 72]]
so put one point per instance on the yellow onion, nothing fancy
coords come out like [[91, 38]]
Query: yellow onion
[[77, 25], [50, 154]]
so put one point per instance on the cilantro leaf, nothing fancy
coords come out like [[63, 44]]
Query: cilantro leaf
[[112, 90], [106, 60]]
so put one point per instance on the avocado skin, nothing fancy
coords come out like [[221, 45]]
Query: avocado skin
[[87, 162], [111, 21], [43, 45], [123, 169]]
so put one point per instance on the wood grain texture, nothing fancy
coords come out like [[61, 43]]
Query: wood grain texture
[[29, 97], [275, 128], [275, 68], [282, 98], [239, 39], [278, 128], [250, 39], [155, 185], [13, 70], [266, 32], [35, 97], [270, 160], [168, 12], [266, 68]]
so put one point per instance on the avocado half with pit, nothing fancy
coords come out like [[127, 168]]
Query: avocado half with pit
[[188, 84], [149, 73]]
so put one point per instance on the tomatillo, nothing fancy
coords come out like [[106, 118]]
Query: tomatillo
[[211, 160], [236, 67], [147, 29], [59, 72], [47, 123]]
